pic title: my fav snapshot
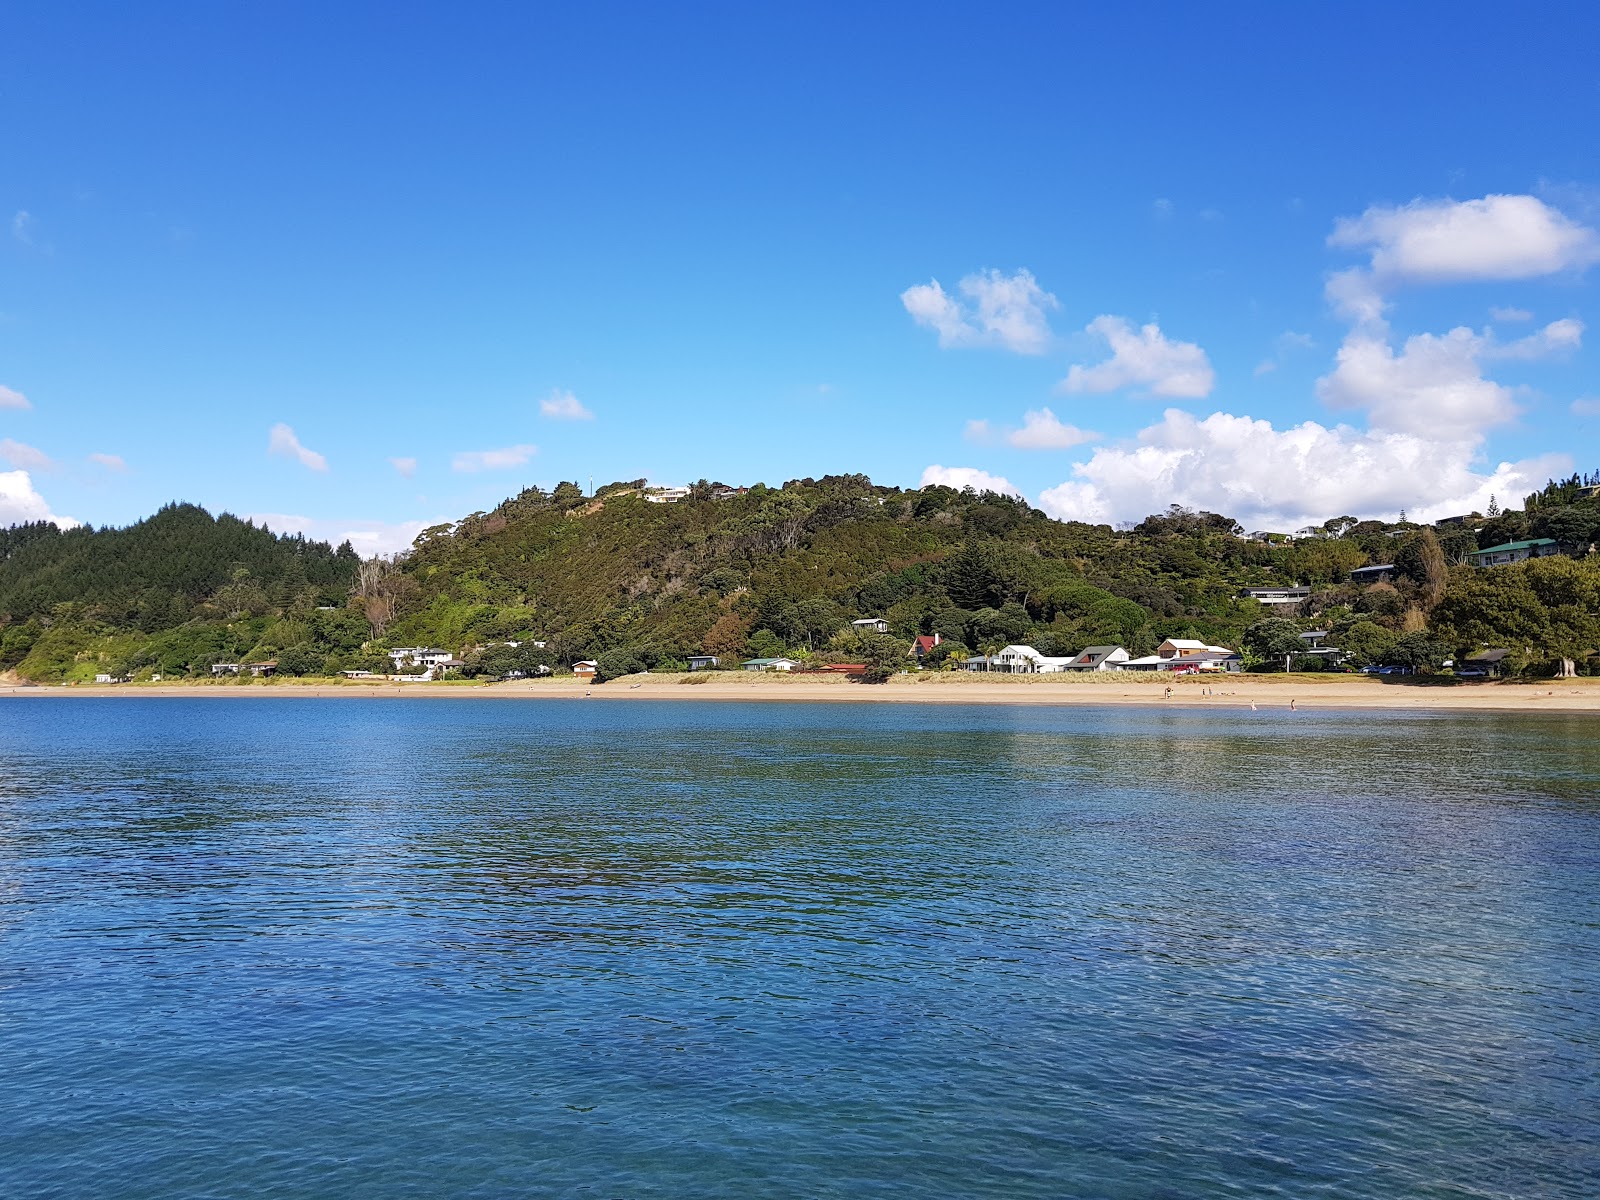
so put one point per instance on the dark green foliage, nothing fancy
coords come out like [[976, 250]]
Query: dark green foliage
[[1273, 639], [1419, 651]]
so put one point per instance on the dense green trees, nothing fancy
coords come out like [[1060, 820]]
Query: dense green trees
[[640, 585]]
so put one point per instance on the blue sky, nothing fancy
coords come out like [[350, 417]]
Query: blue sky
[[364, 268]]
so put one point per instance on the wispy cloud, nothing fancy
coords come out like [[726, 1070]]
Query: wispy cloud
[[1509, 314], [1287, 343], [563, 406], [1143, 358], [25, 457], [471, 461], [282, 441], [22, 228], [1000, 310], [13, 399], [111, 462], [407, 467], [1586, 406]]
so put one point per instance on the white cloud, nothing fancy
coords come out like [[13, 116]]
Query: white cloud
[[470, 461], [367, 538], [1042, 431], [1510, 314], [22, 226], [111, 462], [26, 458], [1162, 209], [1448, 241], [965, 477], [1433, 387], [20, 503], [1586, 406], [1001, 310], [978, 432], [11, 399], [563, 406], [282, 441], [406, 466], [1558, 337], [1281, 479], [1144, 359]]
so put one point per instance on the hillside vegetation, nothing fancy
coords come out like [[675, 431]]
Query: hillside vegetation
[[637, 584]]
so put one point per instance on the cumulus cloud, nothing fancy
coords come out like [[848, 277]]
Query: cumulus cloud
[[20, 503], [471, 461], [1143, 358], [1497, 237], [563, 406], [367, 538], [965, 477], [405, 466], [25, 457], [1434, 386], [13, 399], [1000, 310], [111, 462], [281, 440], [1449, 241], [1283, 478], [1558, 337], [1042, 431]]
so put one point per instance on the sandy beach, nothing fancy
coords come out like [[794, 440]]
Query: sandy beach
[[1262, 691]]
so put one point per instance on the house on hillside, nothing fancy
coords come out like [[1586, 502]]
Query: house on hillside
[[870, 625], [1514, 552], [769, 664], [666, 495], [1277, 597], [1100, 658], [703, 662], [1025, 660], [1378, 573]]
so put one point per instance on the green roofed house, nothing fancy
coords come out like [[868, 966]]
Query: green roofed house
[[1514, 552], [769, 664]]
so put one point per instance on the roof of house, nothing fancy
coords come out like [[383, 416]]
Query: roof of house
[[1489, 656], [1095, 655], [1373, 567], [869, 621], [764, 662], [1509, 546]]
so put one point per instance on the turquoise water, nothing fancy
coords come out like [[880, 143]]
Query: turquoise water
[[284, 947]]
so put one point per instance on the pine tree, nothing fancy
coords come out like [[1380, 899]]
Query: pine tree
[[1494, 507]]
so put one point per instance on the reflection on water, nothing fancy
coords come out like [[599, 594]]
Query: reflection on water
[[499, 948]]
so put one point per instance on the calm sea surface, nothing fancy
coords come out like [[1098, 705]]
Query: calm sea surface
[[280, 947]]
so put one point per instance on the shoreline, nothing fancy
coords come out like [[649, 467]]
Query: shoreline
[[1229, 691]]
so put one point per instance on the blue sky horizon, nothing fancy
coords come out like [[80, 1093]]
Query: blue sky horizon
[[355, 270]]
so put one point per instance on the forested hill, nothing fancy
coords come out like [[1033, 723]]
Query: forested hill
[[768, 571]]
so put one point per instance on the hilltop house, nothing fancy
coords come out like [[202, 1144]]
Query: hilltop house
[[1099, 658], [666, 495], [1514, 552]]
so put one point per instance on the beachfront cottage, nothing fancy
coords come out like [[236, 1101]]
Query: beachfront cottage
[[1184, 655], [419, 656], [1483, 664], [1514, 552], [977, 662], [769, 664], [260, 669], [923, 645], [225, 668], [870, 625], [585, 669], [1025, 660], [1099, 658], [702, 662]]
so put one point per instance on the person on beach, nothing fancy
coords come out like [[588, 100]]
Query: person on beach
[[1169, 693]]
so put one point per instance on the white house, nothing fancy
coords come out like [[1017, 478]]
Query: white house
[[420, 656], [1184, 654], [769, 664], [666, 495], [1025, 660], [1099, 658], [870, 625]]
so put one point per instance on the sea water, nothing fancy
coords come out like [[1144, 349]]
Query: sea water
[[406, 947]]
